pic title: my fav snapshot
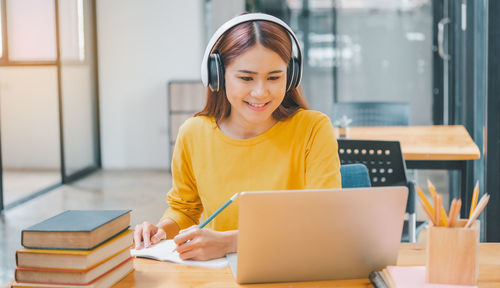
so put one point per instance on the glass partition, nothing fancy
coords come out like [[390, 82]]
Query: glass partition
[[1, 30], [78, 85], [30, 130], [385, 51], [48, 96], [31, 30]]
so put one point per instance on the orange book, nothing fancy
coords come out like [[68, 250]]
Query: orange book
[[73, 259], [107, 279], [73, 276]]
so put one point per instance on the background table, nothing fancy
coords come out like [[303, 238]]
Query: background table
[[430, 147], [150, 273]]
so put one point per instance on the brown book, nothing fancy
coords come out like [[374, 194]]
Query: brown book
[[73, 259], [76, 229], [104, 281], [65, 276]]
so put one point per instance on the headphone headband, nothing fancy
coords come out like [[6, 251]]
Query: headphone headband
[[241, 19]]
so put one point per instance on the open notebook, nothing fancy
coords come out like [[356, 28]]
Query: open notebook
[[163, 252]]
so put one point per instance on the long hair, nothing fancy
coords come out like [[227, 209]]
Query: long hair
[[237, 41]]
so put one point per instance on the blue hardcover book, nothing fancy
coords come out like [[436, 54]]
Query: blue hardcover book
[[76, 229]]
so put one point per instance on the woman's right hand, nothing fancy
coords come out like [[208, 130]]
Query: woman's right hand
[[147, 234]]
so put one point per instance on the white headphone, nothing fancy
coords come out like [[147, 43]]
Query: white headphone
[[212, 70]]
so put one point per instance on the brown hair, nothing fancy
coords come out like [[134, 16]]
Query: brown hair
[[238, 40]]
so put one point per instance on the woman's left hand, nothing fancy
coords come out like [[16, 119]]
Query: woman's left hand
[[204, 244]]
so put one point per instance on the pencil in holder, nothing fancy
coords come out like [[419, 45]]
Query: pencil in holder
[[452, 254]]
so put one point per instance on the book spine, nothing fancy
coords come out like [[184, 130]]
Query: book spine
[[77, 249], [85, 270], [78, 284], [377, 280]]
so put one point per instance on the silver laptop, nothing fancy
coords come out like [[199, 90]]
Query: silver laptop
[[307, 235]]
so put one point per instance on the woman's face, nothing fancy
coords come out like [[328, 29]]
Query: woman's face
[[255, 86]]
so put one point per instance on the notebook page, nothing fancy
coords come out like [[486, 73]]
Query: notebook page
[[163, 252]]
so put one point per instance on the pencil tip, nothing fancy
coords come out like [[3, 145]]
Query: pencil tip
[[429, 183]]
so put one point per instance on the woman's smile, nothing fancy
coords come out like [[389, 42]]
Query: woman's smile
[[257, 106]]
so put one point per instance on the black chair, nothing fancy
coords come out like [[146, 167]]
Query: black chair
[[373, 113], [386, 167]]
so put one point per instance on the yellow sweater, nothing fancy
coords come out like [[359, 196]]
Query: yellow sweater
[[208, 167]]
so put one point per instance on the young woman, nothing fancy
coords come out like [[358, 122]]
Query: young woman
[[255, 133]]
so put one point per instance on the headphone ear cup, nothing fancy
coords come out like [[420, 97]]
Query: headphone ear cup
[[292, 75], [215, 72]]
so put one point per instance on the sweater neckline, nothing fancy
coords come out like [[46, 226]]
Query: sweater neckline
[[249, 141]]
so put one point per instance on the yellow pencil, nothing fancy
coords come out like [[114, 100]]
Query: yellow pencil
[[442, 213], [475, 195], [454, 211], [439, 218], [451, 212], [431, 187], [436, 209], [429, 214], [424, 199]]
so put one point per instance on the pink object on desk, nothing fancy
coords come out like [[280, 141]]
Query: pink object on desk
[[414, 277]]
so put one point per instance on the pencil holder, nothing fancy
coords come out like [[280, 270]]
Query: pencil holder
[[452, 254]]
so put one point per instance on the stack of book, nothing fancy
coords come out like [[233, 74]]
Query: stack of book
[[77, 248]]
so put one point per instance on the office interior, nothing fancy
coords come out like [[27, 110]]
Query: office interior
[[84, 109]]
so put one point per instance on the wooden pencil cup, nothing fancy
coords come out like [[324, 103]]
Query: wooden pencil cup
[[452, 254]]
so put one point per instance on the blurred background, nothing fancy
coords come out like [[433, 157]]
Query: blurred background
[[89, 87]]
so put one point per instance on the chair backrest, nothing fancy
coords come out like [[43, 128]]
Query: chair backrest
[[383, 159], [184, 99], [354, 176], [373, 113]]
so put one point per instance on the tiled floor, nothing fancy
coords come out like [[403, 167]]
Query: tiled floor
[[19, 183], [141, 191]]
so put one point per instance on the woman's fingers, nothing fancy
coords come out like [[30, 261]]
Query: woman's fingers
[[146, 233], [196, 243], [138, 236], [160, 235], [203, 244], [194, 254], [187, 235], [143, 235]]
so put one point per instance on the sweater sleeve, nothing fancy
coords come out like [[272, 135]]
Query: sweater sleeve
[[322, 158], [185, 206]]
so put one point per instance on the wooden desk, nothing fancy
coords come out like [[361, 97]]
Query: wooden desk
[[430, 147], [149, 273], [424, 143]]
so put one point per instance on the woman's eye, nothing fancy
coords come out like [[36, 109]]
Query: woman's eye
[[246, 78], [273, 78]]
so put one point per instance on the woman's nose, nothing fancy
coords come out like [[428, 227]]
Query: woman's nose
[[259, 89]]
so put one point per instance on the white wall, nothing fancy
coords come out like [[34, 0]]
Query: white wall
[[141, 46]]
